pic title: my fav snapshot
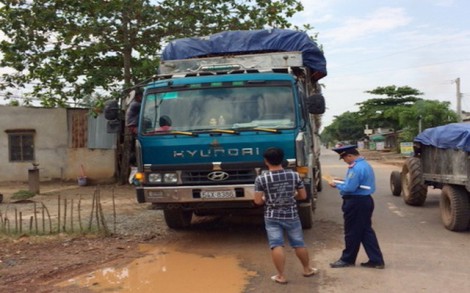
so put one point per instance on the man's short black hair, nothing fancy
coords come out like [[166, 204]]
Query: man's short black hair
[[164, 121], [138, 92], [274, 155]]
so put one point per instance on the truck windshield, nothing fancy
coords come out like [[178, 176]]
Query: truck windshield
[[206, 109]]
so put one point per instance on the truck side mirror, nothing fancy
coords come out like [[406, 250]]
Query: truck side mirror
[[111, 110], [316, 104]]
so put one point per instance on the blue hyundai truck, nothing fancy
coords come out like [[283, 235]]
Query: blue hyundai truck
[[216, 104]]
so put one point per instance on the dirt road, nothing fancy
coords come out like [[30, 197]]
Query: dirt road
[[44, 263]]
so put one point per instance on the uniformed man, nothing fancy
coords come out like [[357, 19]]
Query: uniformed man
[[358, 206]]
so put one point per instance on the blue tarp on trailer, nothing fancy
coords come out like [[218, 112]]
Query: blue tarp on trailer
[[249, 42], [450, 136]]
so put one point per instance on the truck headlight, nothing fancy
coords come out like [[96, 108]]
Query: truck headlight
[[155, 178], [170, 178]]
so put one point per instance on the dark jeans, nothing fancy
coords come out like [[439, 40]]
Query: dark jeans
[[357, 214]]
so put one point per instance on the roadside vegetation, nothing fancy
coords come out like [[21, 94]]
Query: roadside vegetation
[[398, 108], [85, 53]]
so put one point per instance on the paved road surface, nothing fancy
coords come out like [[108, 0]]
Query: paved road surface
[[420, 254]]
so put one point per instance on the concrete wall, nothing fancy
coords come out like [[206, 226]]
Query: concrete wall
[[52, 152], [98, 165]]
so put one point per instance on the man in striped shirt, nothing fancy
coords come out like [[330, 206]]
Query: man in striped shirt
[[278, 190]]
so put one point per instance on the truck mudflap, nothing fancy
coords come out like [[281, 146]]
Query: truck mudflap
[[140, 195]]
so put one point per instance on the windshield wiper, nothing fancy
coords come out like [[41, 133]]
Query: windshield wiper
[[272, 130], [228, 131], [188, 133], [171, 132], [216, 130]]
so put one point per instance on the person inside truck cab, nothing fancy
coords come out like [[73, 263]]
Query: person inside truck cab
[[165, 123]]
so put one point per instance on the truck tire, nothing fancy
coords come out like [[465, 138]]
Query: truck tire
[[395, 183], [177, 218], [455, 207], [306, 215], [413, 188], [312, 195], [319, 182]]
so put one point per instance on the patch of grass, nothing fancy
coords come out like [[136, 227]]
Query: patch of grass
[[22, 194]]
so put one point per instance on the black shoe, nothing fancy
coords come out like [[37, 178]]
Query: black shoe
[[373, 265], [341, 264]]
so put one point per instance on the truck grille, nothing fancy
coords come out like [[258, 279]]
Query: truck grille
[[235, 176]]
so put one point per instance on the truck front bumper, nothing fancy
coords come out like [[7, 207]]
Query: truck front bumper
[[194, 194]]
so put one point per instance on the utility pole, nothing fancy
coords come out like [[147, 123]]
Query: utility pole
[[459, 100]]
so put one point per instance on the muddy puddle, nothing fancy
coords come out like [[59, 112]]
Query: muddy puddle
[[168, 270]]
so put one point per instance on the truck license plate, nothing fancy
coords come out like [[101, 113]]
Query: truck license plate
[[218, 194]]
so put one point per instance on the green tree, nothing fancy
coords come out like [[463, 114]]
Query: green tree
[[400, 110], [14, 103], [380, 112], [393, 91], [430, 113], [345, 127], [90, 50], [69, 49]]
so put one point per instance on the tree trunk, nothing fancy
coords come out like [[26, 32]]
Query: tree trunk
[[125, 144]]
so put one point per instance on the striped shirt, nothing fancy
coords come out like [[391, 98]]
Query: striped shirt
[[279, 190]]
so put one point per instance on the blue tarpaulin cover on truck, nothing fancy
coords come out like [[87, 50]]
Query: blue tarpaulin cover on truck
[[249, 42], [450, 136]]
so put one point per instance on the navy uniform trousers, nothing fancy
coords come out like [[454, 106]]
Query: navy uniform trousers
[[357, 214]]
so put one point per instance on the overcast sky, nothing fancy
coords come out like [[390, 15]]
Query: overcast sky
[[424, 44]]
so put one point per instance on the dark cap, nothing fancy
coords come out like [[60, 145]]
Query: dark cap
[[345, 150]]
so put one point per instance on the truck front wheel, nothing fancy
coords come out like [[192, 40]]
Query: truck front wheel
[[455, 207], [177, 218], [306, 215], [413, 187], [318, 177]]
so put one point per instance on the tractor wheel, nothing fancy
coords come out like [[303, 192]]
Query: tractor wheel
[[413, 187], [455, 207], [395, 183]]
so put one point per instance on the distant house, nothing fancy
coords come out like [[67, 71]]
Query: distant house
[[384, 139], [65, 143]]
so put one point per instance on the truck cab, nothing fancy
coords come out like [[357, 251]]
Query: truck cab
[[205, 123]]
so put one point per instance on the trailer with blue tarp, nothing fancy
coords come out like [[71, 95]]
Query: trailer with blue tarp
[[441, 160]]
